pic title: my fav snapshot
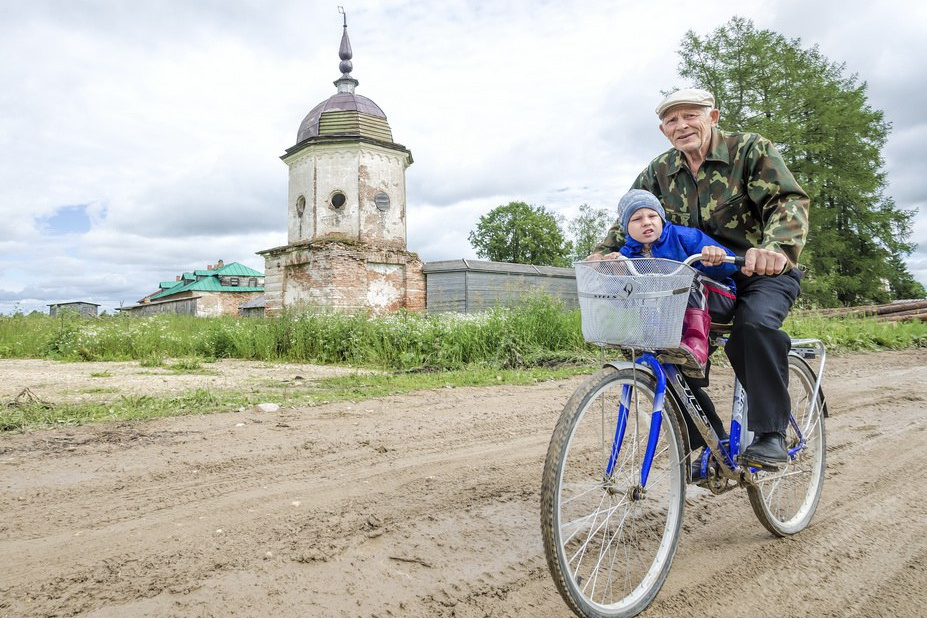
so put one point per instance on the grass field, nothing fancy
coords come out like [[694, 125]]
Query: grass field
[[538, 340]]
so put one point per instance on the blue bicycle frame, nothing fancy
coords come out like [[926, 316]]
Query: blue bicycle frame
[[725, 454]]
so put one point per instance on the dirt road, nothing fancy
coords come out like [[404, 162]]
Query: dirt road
[[425, 506]]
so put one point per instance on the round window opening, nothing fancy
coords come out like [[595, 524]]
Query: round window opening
[[338, 199], [381, 200], [300, 206]]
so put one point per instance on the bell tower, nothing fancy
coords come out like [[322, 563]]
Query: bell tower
[[347, 175], [346, 212]]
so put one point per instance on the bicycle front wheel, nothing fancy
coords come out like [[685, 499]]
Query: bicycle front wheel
[[785, 500], [610, 522]]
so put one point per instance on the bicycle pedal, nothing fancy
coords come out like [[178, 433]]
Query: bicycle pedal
[[761, 465]]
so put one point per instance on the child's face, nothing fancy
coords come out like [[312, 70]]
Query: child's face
[[645, 225]]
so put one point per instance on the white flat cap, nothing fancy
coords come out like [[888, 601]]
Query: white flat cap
[[686, 96]]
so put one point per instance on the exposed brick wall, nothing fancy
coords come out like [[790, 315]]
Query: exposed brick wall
[[343, 276], [415, 286], [229, 301]]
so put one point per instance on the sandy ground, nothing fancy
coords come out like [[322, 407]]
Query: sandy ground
[[423, 505]]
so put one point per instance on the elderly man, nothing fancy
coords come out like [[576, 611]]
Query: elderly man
[[736, 188]]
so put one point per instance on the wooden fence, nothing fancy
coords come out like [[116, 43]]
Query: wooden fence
[[898, 311]]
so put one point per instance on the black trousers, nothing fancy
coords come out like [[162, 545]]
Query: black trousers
[[695, 438], [758, 349]]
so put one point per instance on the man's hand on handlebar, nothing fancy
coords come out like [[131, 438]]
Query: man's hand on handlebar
[[763, 262]]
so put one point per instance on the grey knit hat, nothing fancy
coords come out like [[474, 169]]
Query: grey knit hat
[[634, 200]]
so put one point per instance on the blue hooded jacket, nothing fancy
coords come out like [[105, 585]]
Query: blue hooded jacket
[[678, 242]]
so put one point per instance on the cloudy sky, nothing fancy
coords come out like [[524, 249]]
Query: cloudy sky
[[139, 140]]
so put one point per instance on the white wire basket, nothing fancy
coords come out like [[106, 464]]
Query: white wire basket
[[633, 303]]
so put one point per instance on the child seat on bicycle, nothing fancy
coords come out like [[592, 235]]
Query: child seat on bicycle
[[649, 234]]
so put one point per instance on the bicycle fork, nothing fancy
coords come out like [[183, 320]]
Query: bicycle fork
[[664, 375], [656, 419]]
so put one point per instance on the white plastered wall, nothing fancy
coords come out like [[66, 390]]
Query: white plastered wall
[[359, 171]]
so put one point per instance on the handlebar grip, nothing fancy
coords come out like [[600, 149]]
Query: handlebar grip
[[736, 260]]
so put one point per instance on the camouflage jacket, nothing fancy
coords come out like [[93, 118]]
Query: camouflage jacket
[[743, 196]]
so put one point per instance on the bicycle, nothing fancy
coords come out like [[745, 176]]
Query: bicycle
[[615, 476]]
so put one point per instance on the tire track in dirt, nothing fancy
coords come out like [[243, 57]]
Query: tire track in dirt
[[426, 505], [874, 549], [337, 515], [829, 560]]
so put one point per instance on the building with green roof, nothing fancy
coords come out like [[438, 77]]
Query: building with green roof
[[218, 289]]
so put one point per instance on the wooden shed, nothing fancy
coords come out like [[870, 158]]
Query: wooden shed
[[85, 309], [469, 286], [253, 308]]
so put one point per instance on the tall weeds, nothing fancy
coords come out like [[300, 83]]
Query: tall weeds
[[502, 337], [538, 332]]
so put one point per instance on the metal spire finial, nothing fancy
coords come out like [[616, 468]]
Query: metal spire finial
[[345, 83]]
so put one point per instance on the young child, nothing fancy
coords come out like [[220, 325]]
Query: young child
[[649, 234]]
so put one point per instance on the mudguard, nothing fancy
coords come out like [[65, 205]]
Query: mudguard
[[821, 396]]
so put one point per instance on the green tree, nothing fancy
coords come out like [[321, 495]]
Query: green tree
[[521, 234], [588, 229], [831, 139]]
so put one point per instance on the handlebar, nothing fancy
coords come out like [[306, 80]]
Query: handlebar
[[737, 260]]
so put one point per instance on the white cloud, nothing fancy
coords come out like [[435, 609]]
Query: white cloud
[[167, 119]]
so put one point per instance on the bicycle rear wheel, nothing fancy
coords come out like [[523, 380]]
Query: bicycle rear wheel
[[610, 539], [785, 500]]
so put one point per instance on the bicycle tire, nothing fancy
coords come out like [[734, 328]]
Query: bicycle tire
[[609, 547], [785, 500]]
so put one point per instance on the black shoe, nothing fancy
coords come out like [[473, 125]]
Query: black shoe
[[767, 451]]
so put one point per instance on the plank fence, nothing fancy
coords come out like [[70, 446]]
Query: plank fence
[[898, 311]]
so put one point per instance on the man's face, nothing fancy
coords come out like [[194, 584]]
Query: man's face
[[688, 128]]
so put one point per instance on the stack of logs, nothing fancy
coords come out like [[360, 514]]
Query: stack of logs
[[898, 311]]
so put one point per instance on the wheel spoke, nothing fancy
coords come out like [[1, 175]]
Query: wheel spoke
[[610, 541], [785, 501]]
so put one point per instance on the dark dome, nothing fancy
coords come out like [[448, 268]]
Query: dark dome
[[345, 115], [350, 108]]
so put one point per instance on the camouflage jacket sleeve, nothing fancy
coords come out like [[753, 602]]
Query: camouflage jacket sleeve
[[743, 196], [614, 240]]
